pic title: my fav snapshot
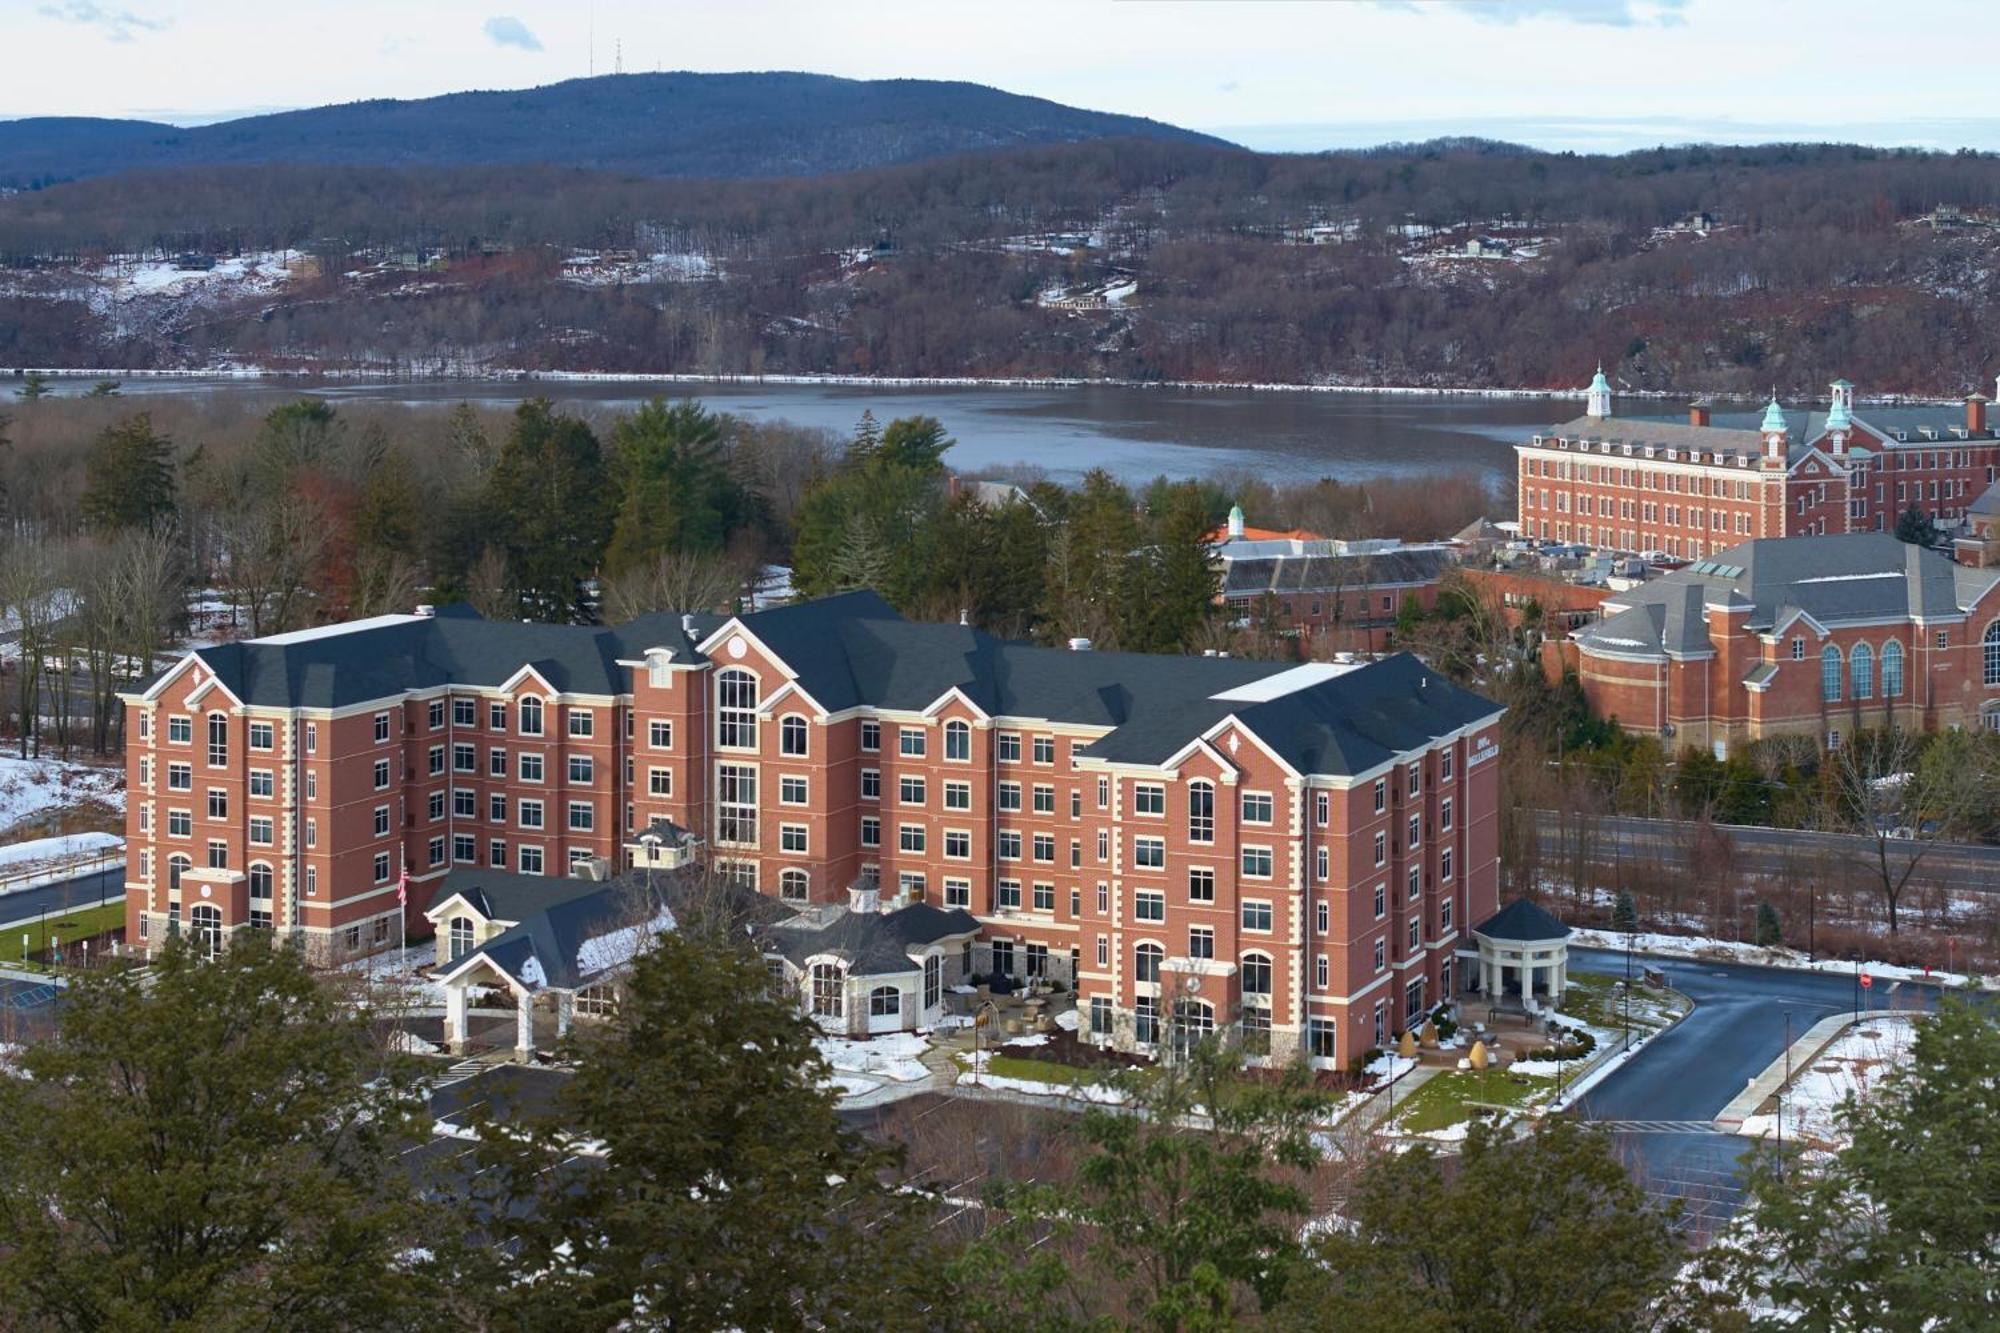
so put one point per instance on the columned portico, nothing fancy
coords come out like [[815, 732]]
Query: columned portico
[[1526, 941]]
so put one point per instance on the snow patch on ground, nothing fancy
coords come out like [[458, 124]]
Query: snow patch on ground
[[1385, 1067], [1032, 1039], [1736, 951], [893, 1055], [31, 788], [978, 1077], [1067, 1020], [1854, 1065], [25, 864]]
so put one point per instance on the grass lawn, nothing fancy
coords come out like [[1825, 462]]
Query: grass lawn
[[1599, 1001], [1043, 1071], [1440, 1103], [69, 928]]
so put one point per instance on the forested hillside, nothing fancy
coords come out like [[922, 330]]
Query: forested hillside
[[776, 124], [1454, 264]]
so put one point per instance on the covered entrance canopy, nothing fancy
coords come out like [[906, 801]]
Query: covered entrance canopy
[[1523, 944]]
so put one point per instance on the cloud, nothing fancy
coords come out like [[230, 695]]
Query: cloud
[[1599, 13], [119, 24], [506, 31]]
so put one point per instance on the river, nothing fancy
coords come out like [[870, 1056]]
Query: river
[[1135, 433]]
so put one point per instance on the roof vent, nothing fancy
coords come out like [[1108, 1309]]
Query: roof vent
[[964, 616], [687, 624], [426, 609], [1079, 645]]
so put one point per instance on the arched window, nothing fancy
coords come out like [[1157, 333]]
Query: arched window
[[884, 1002], [933, 981], [260, 880], [1829, 674], [461, 937], [176, 865], [206, 921], [1861, 671], [1201, 812], [829, 988], [531, 716], [1193, 1021], [793, 885], [1150, 956], [1892, 670], [1989, 647], [792, 735], [736, 710], [1256, 974], [957, 740]]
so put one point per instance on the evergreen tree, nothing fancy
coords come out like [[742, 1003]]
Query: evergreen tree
[[33, 386], [128, 477], [216, 1147], [1897, 1231], [678, 494], [104, 389], [553, 509], [1625, 913], [1769, 933], [1546, 1232], [1188, 1228], [1915, 526], [918, 443], [726, 1192], [1172, 584], [874, 522]]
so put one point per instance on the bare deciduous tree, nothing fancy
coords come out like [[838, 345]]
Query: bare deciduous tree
[[677, 581]]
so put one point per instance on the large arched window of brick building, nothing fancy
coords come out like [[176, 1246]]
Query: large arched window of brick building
[[461, 937], [1201, 811], [1829, 674], [793, 884], [1861, 671], [736, 710], [829, 988], [1892, 670], [957, 741], [207, 923], [1989, 647]]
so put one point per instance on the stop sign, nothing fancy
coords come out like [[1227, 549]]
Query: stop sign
[[1866, 981]]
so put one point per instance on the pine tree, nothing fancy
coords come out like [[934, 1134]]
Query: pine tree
[[554, 510], [104, 389], [725, 1192], [216, 1148], [1898, 1230], [1625, 912], [678, 494], [33, 386], [1769, 933], [128, 477], [1915, 527]]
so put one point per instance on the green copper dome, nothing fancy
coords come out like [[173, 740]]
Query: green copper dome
[[1774, 419], [1838, 419]]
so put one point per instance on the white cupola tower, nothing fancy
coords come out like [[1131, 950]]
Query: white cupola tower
[[1843, 397], [1597, 401], [1777, 435]]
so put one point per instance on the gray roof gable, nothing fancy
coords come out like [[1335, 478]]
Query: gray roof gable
[[874, 944]]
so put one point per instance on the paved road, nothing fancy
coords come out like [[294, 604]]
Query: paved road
[[1610, 839], [30, 905], [1690, 1073]]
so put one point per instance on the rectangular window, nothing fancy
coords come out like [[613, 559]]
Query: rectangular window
[[1257, 862], [218, 803], [1416, 823], [1201, 885], [1045, 898], [1010, 747], [582, 816], [262, 830], [1381, 795], [496, 808], [791, 789], [180, 730], [1007, 844], [958, 796], [1149, 853], [180, 777], [1444, 766], [465, 803], [871, 831], [1256, 916], [1322, 917], [1201, 942], [581, 770], [464, 848], [1045, 799], [1149, 905], [910, 837], [958, 893], [957, 845], [1381, 849], [496, 716], [261, 736], [437, 851], [435, 760], [660, 734], [531, 814], [1010, 796], [381, 821], [381, 774], [1103, 899], [582, 722], [1322, 863], [1381, 954], [381, 867], [1322, 808], [1009, 895], [463, 713], [1045, 848], [464, 759], [910, 742], [736, 804], [381, 726], [871, 784], [180, 823], [496, 763], [435, 806], [531, 860], [1256, 807], [1149, 798], [1444, 864], [910, 791], [434, 715], [791, 837], [871, 735], [496, 854], [1444, 814], [1045, 749], [1381, 901], [1322, 972], [218, 740], [659, 782]]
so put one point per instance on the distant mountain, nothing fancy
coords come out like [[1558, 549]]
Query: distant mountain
[[722, 125]]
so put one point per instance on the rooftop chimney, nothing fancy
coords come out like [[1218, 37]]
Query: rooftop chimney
[[426, 609], [1697, 414], [1975, 413], [687, 625]]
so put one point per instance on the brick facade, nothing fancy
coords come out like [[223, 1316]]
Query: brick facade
[[1219, 862]]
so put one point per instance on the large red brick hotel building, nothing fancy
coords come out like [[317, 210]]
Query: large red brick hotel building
[[1298, 849], [1689, 486]]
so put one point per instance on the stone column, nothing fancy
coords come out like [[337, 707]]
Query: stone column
[[1527, 980], [454, 1019], [524, 1027], [565, 1007]]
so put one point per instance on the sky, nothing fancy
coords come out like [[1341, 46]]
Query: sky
[[1291, 75]]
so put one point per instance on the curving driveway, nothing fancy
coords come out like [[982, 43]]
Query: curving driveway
[[1658, 1104]]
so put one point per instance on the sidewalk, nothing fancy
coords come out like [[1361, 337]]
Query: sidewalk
[[1797, 1059]]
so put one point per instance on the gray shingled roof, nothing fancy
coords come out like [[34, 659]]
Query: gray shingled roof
[[454, 646], [1523, 921], [1848, 578], [874, 944], [500, 895], [1316, 571]]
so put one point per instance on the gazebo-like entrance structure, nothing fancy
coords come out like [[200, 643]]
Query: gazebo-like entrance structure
[[1520, 943]]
